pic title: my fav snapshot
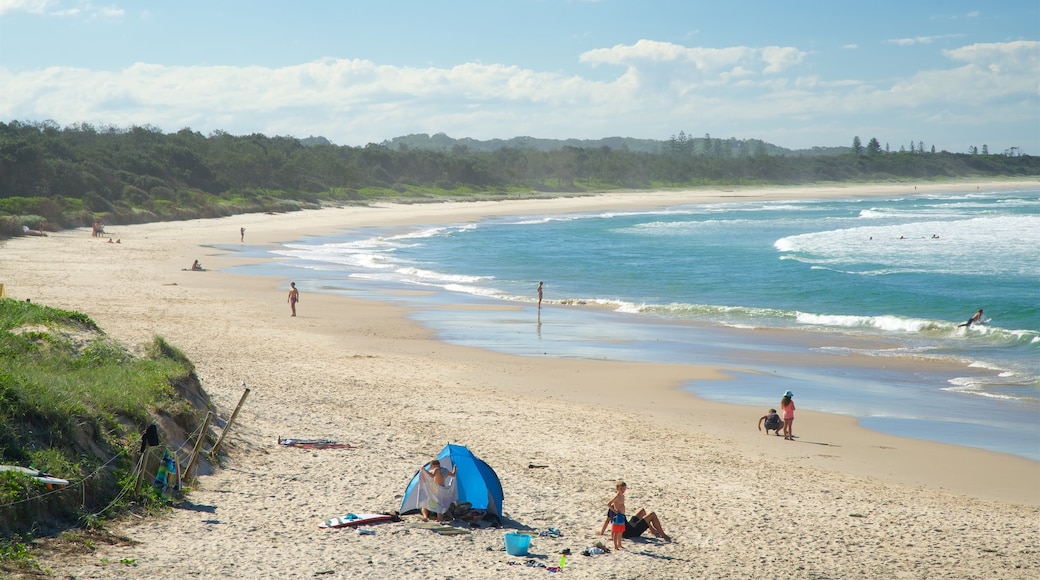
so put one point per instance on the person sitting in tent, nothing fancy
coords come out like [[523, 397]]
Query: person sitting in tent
[[475, 484], [437, 492]]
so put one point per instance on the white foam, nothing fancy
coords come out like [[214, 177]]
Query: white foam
[[972, 386], [984, 245], [431, 276], [886, 322]]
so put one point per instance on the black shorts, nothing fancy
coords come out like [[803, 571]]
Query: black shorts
[[634, 527]]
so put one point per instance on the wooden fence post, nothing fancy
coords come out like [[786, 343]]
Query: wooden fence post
[[227, 427], [193, 460]]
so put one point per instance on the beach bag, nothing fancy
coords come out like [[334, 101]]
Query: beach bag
[[460, 509]]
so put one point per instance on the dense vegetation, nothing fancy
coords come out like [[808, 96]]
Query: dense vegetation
[[52, 177], [73, 404]]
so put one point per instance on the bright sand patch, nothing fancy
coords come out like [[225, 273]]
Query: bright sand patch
[[840, 502]]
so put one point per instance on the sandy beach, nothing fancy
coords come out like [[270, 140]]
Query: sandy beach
[[841, 501]]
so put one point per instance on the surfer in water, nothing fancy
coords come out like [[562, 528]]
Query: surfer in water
[[977, 318]]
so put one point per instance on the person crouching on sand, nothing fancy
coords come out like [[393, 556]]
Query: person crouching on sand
[[773, 422]]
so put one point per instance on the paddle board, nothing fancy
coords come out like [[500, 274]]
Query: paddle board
[[351, 520], [51, 482]]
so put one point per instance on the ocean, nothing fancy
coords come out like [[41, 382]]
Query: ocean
[[792, 294]]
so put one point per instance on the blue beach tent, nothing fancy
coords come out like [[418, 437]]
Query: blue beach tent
[[477, 483]]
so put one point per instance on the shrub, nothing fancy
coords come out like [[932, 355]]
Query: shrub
[[10, 226], [33, 222]]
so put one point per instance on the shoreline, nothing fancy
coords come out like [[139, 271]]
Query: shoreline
[[361, 372]]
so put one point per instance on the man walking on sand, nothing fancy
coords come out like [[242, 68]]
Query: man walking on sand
[[294, 297]]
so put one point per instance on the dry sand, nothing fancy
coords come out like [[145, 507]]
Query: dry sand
[[840, 502]]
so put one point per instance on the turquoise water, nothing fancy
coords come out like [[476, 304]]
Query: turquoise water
[[753, 285]]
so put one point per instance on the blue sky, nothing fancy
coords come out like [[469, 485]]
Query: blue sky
[[798, 74]]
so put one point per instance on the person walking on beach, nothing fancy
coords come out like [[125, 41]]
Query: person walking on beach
[[617, 505], [975, 319], [787, 406], [539, 295], [294, 297], [241, 234]]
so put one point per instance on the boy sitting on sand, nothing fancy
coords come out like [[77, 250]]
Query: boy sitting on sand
[[773, 422]]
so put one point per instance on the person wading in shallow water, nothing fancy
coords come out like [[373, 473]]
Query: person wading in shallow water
[[975, 319], [294, 297]]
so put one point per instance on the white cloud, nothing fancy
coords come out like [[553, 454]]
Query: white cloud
[[921, 39], [60, 8], [30, 6], [781, 58], [775, 58], [966, 16], [660, 89]]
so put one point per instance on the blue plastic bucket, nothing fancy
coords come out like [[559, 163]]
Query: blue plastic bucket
[[517, 544]]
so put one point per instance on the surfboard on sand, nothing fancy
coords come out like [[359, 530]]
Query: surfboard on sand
[[50, 481], [351, 520]]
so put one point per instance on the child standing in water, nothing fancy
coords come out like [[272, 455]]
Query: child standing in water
[[617, 528]]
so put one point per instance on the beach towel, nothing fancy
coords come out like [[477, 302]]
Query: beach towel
[[434, 497], [168, 476], [314, 444]]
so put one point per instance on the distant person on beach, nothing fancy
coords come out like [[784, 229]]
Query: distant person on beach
[[196, 265], [294, 297], [787, 406], [773, 422], [975, 319], [539, 295], [241, 234], [617, 506]]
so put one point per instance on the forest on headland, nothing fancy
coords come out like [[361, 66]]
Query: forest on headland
[[55, 177]]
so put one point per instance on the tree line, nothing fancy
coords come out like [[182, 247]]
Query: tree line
[[55, 177]]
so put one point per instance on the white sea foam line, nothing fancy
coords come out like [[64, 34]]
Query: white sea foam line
[[976, 240], [434, 276], [474, 290], [974, 389]]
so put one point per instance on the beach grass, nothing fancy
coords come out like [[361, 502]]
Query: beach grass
[[72, 401]]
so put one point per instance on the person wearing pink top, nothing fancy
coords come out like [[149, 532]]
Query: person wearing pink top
[[787, 407]]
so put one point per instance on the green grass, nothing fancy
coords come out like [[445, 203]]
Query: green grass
[[74, 401]]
